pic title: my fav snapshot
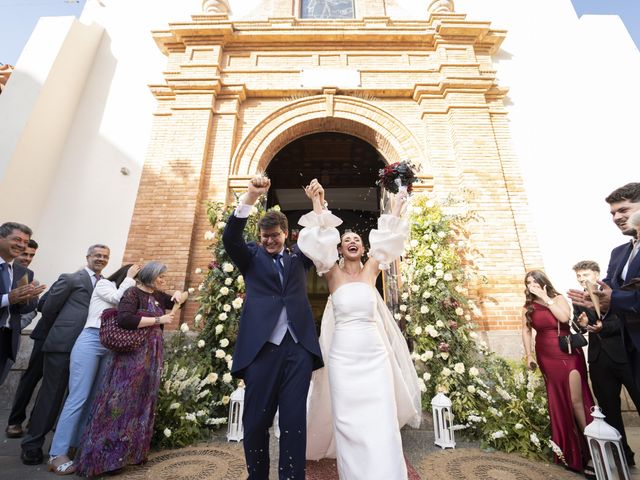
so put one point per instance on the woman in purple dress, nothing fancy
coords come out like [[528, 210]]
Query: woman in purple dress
[[121, 420]]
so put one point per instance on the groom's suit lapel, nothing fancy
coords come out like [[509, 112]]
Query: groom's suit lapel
[[273, 274], [286, 257]]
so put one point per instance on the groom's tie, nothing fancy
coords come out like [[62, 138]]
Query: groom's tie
[[280, 266]]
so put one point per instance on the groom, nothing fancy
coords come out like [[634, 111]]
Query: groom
[[277, 346]]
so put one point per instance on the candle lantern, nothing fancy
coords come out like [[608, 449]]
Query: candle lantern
[[235, 430], [606, 449], [443, 421]]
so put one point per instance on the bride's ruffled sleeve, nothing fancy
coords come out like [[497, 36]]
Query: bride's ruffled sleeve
[[319, 239], [387, 241]]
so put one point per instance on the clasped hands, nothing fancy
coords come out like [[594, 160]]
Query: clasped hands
[[26, 293]]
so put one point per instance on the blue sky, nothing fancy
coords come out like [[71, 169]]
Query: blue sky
[[18, 18]]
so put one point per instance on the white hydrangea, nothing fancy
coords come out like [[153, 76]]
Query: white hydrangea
[[219, 328], [426, 294], [474, 372], [414, 243], [471, 389], [224, 343], [424, 309], [430, 329], [228, 281], [459, 311], [415, 288], [224, 291], [433, 282], [439, 273], [222, 316], [426, 376], [403, 308], [426, 356], [226, 307], [407, 317], [220, 353], [459, 368], [439, 324], [446, 372], [227, 378], [397, 316], [227, 267], [417, 330], [200, 343], [404, 295], [184, 328], [447, 277]]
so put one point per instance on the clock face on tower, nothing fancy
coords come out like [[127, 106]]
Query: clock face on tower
[[327, 9]]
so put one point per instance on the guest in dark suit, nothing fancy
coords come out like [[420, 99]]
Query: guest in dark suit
[[64, 314], [277, 346], [18, 295], [609, 367]]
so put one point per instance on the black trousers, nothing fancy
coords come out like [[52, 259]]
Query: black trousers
[[5, 348], [55, 377], [607, 378], [28, 383], [279, 376]]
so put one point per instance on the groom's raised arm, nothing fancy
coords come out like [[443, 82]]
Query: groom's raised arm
[[232, 238]]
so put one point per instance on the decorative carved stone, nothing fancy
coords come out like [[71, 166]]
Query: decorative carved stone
[[216, 7], [441, 6]]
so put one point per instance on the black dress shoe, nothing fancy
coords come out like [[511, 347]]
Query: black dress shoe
[[14, 431], [32, 456]]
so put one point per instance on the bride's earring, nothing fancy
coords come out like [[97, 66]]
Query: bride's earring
[[340, 261]]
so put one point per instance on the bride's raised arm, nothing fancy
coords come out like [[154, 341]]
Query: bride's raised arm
[[319, 238], [387, 241]]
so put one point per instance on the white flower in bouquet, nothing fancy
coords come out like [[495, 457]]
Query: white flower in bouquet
[[197, 319], [202, 394], [428, 253], [529, 396], [407, 317], [174, 406], [224, 291], [439, 266], [397, 316], [446, 372], [557, 450], [495, 412], [503, 393], [209, 235], [474, 418], [404, 295], [459, 368], [459, 288], [184, 328], [167, 386], [473, 335], [426, 376], [498, 434], [224, 343], [229, 364], [433, 282], [201, 413], [200, 343], [534, 439], [201, 287], [220, 353], [426, 294], [415, 288], [447, 277], [227, 357], [181, 374], [440, 324], [424, 309], [222, 316], [474, 372], [403, 308], [430, 329], [228, 281], [221, 225], [428, 268], [426, 356], [219, 328], [227, 378], [518, 426], [226, 307], [198, 271], [467, 317], [191, 417], [167, 432], [227, 267], [211, 378], [471, 389], [191, 290], [417, 330], [421, 384], [415, 356], [441, 234], [439, 273], [240, 280], [414, 243], [444, 355], [416, 210], [237, 303], [459, 311]]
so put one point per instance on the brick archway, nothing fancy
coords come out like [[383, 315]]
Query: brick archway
[[327, 113]]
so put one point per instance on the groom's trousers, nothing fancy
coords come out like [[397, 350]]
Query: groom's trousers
[[279, 376]]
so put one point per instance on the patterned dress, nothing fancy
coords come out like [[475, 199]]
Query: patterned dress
[[122, 417]]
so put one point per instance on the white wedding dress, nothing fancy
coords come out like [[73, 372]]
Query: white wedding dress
[[369, 387]]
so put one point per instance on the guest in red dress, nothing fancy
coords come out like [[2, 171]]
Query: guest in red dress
[[565, 374]]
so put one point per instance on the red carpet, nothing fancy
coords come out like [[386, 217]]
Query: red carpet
[[326, 469]]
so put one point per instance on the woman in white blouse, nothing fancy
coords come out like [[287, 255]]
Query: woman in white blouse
[[369, 387], [88, 360]]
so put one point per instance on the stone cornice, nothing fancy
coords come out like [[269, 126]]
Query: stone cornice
[[296, 33]]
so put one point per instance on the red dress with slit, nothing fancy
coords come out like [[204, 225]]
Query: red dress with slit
[[555, 366]]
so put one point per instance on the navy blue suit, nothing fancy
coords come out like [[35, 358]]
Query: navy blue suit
[[626, 303], [275, 375]]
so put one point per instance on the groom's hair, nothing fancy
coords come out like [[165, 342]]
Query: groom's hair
[[273, 219]]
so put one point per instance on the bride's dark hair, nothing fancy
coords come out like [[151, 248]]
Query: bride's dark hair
[[542, 280]]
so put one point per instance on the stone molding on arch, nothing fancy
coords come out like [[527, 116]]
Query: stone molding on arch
[[327, 113]]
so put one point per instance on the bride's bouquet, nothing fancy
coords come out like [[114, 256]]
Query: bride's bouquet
[[397, 176]]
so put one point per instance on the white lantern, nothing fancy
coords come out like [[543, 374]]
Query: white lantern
[[235, 430], [604, 443], [443, 421]]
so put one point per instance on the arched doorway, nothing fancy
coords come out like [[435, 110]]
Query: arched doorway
[[347, 167]]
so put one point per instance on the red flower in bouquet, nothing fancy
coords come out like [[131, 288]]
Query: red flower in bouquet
[[395, 175]]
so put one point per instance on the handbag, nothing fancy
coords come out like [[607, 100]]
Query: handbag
[[570, 342], [116, 338]]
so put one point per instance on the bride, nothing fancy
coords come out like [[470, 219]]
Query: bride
[[369, 388]]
